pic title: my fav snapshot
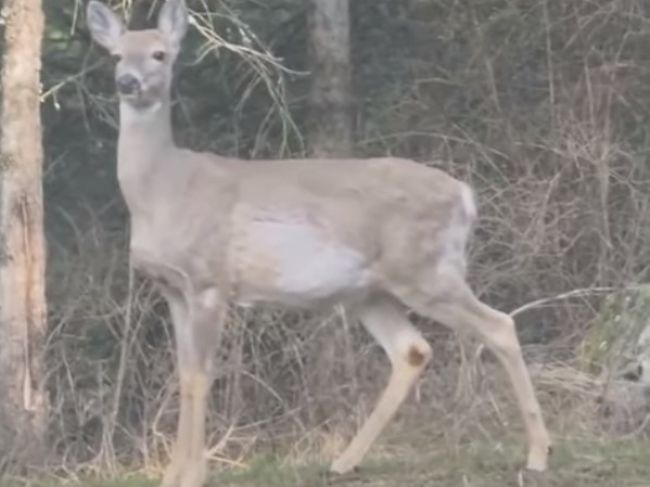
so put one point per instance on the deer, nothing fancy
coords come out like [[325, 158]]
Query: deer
[[381, 237]]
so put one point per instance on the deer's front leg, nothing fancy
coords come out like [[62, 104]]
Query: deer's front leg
[[179, 315], [198, 334], [183, 435], [193, 470]]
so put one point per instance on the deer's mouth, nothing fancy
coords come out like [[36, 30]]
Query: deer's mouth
[[134, 93], [138, 93], [132, 98], [140, 99], [140, 103]]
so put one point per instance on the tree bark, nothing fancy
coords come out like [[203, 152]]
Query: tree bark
[[330, 121], [22, 246]]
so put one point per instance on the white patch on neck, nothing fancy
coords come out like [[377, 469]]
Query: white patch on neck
[[130, 115]]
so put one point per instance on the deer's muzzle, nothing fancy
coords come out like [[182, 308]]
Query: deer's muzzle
[[127, 84]]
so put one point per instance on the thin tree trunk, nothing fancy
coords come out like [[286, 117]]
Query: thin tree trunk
[[331, 126], [330, 134], [22, 248]]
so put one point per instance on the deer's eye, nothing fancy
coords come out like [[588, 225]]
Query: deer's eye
[[158, 55]]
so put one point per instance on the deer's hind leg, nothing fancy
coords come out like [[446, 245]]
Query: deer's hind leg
[[448, 299], [408, 353]]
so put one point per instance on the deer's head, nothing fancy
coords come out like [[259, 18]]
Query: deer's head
[[144, 58]]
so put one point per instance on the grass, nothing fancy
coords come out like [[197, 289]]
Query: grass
[[575, 463]]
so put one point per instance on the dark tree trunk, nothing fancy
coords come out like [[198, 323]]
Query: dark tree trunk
[[23, 403], [331, 126]]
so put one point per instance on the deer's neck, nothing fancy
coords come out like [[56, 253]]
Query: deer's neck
[[144, 132], [144, 145]]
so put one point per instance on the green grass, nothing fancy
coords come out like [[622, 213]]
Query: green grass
[[575, 463]]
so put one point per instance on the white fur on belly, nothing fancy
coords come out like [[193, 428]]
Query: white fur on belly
[[304, 261]]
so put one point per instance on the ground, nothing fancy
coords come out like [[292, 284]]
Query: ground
[[576, 463], [618, 464], [473, 439]]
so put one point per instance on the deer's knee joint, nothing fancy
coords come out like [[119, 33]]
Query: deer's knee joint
[[418, 354]]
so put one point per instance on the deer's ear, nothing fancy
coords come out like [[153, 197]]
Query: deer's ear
[[172, 22], [105, 27]]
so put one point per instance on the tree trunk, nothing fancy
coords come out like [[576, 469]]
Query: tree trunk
[[22, 247], [330, 132]]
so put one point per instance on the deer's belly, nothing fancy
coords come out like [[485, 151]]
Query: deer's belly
[[294, 262]]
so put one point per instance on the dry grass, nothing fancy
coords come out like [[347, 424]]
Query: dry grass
[[422, 460]]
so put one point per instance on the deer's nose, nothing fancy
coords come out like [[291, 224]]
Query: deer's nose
[[127, 84]]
